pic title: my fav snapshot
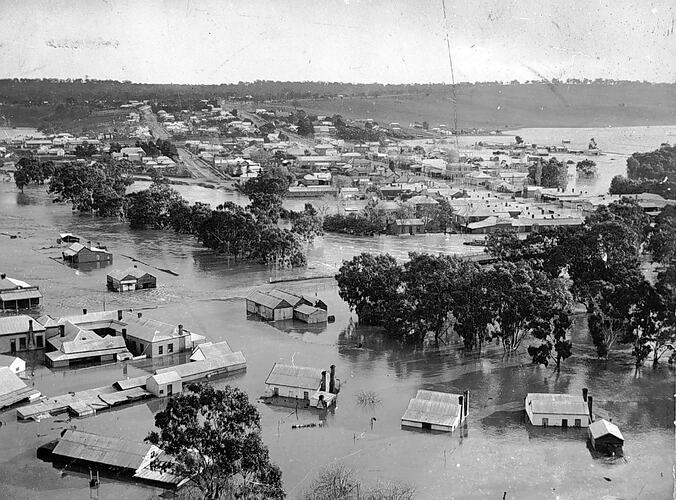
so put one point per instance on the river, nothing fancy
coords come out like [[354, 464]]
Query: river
[[495, 453]]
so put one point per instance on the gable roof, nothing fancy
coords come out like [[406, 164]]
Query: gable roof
[[76, 248], [306, 309], [151, 330], [166, 377], [132, 271], [302, 377], [603, 427], [436, 408], [267, 300], [12, 388], [289, 297], [209, 350]]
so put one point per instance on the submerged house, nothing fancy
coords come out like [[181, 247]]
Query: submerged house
[[164, 384], [560, 410], [605, 437], [268, 307], [130, 279], [407, 226], [16, 294], [437, 411], [77, 345], [276, 304], [152, 338], [136, 461], [21, 333], [309, 386], [78, 253]]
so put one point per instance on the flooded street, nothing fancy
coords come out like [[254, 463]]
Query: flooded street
[[495, 452]]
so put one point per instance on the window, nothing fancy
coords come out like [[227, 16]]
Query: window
[[578, 422], [38, 342], [161, 392], [545, 422], [170, 348], [22, 343], [161, 350]]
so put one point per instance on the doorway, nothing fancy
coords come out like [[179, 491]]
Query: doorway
[[170, 390], [564, 423], [12, 346]]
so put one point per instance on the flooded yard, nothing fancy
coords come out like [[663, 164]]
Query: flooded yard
[[496, 452]]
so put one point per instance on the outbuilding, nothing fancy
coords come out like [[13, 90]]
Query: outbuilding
[[130, 279], [268, 307], [78, 253], [309, 314], [606, 437], [20, 333], [164, 384]]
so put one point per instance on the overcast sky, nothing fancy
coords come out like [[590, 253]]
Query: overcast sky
[[389, 41]]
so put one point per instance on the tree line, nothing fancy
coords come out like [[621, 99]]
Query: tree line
[[526, 297], [651, 172], [248, 233]]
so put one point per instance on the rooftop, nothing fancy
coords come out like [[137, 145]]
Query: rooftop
[[302, 377], [436, 408], [557, 404], [11, 325], [603, 427]]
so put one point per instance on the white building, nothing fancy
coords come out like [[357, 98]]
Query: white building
[[559, 410]]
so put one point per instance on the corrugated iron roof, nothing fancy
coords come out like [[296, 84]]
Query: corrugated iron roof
[[306, 309], [20, 295], [289, 297], [267, 300], [209, 350], [302, 377], [194, 369], [132, 271], [116, 452], [603, 427], [11, 325], [167, 377], [432, 412], [564, 404]]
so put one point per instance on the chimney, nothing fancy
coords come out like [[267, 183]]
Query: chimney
[[119, 314], [180, 330], [84, 311], [589, 404], [124, 333], [461, 403], [3, 276], [30, 326], [332, 381], [62, 330], [322, 385], [466, 401], [140, 314], [585, 391]]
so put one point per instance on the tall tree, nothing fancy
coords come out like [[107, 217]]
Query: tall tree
[[369, 283], [214, 439]]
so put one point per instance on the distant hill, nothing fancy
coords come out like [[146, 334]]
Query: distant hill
[[485, 105], [493, 106]]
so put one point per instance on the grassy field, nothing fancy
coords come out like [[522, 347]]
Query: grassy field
[[62, 118], [513, 106]]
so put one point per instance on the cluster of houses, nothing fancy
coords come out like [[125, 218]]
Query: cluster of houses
[[278, 305]]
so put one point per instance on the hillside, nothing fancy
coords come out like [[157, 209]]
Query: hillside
[[514, 106], [481, 105]]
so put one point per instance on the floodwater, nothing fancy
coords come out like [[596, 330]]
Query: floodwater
[[496, 452]]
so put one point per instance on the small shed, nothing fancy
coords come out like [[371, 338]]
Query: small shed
[[78, 253], [68, 238], [309, 314], [268, 307], [164, 384], [606, 437]]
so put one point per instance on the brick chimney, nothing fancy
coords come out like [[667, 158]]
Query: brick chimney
[[84, 311], [180, 330], [119, 314], [140, 314]]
